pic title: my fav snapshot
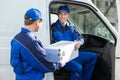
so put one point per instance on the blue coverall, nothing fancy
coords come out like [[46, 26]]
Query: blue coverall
[[28, 57], [81, 67]]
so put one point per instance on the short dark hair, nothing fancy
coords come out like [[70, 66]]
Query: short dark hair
[[28, 22]]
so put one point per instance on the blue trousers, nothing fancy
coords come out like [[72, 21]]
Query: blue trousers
[[82, 67]]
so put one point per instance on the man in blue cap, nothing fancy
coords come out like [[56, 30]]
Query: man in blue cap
[[82, 67], [28, 56]]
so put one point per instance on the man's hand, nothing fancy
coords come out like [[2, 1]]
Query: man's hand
[[77, 45], [63, 62]]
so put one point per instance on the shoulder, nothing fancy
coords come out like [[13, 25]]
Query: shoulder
[[54, 27], [15, 45], [14, 41], [24, 39]]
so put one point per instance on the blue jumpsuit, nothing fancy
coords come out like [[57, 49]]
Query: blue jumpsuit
[[81, 67], [28, 57]]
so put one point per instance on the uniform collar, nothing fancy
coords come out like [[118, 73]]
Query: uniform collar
[[25, 30], [59, 25]]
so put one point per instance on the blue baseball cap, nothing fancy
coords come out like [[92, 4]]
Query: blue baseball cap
[[33, 14], [64, 9]]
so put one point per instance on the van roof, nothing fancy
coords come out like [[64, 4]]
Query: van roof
[[86, 1]]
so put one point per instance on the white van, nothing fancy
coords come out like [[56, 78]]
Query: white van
[[100, 36]]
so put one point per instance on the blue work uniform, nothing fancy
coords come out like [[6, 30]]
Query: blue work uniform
[[28, 57], [81, 67]]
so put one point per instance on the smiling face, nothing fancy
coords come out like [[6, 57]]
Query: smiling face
[[63, 17]]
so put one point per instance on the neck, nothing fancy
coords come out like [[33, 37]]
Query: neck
[[63, 24], [29, 27]]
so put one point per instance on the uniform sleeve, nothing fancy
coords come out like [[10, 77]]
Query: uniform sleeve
[[77, 35], [36, 57]]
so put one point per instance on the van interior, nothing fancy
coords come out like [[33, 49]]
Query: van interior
[[97, 38]]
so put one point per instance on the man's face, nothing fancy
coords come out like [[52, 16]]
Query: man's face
[[63, 17]]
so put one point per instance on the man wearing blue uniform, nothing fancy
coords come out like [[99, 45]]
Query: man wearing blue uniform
[[28, 56], [82, 67]]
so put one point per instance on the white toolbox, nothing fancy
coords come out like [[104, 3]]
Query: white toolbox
[[62, 49]]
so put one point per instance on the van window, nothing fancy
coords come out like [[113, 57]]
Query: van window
[[89, 23], [54, 18]]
